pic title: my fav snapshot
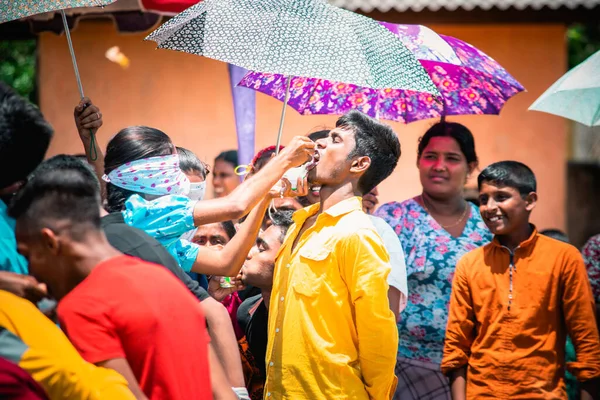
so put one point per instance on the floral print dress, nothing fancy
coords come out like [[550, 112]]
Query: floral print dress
[[431, 256]]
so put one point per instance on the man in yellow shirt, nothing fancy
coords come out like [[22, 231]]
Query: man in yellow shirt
[[331, 332], [30, 340]]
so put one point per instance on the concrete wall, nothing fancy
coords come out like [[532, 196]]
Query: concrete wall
[[189, 98]]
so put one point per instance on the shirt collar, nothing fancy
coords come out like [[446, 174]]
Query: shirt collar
[[341, 208], [526, 243]]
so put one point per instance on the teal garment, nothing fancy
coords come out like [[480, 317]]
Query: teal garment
[[10, 260], [570, 380], [166, 219]]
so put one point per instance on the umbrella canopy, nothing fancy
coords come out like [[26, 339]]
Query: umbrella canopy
[[307, 38], [576, 95], [16, 9], [468, 80]]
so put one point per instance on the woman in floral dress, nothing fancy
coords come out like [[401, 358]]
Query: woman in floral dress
[[435, 228]]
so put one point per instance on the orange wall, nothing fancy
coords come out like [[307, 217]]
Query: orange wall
[[188, 97]]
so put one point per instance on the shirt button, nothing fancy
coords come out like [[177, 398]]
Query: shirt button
[[271, 364], [288, 265], [281, 298], [269, 394], [277, 330]]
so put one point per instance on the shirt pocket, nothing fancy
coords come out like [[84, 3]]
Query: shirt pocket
[[311, 270]]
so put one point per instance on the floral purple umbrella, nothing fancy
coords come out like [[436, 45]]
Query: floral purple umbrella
[[469, 81]]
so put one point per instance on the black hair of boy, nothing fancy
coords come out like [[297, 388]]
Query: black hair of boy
[[50, 194], [376, 141], [512, 174], [555, 234], [283, 220], [190, 163], [24, 137]]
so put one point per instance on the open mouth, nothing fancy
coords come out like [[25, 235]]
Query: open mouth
[[494, 219], [313, 162]]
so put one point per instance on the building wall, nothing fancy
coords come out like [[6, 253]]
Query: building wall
[[189, 98]]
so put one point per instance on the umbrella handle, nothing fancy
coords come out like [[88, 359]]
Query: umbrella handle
[[93, 151], [444, 110], [285, 101]]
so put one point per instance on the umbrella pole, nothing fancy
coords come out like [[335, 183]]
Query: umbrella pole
[[93, 151], [285, 101]]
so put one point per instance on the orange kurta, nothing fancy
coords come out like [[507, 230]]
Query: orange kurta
[[517, 350]]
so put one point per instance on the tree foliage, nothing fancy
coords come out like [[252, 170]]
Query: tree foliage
[[18, 66], [584, 40]]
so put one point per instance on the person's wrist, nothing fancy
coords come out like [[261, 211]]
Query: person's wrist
[[284, 160]]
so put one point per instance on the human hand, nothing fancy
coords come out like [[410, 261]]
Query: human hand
[[23, 286], [370, 201], [218, 292], [297, 152], [284, 188], [88, 118]]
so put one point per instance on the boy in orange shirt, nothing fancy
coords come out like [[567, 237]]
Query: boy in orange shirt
[[515, 300]]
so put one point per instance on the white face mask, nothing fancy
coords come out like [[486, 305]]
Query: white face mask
[[197, 190]]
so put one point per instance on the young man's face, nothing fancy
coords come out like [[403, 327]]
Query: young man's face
[[334, 166], [503, 209], [260, 263], [42, 255]]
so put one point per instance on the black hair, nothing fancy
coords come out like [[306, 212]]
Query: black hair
[[318, 135], [283, 220], [229, 228], [190, 163], [24, 137], [456, 131], [510, 174], [131, 144], [229, 156], [304, 201], [375, 140], [61, 188], [556, 234]]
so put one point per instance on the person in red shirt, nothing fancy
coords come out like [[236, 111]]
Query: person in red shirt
[[120, 312]]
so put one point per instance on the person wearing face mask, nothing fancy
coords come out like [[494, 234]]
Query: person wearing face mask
[[195, 170], [435, 229]]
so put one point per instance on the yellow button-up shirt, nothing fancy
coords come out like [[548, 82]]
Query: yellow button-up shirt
[[331, 332]]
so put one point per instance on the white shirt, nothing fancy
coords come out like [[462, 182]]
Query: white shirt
[[397, 276]]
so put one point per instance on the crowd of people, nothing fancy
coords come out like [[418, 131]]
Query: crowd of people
[[119, 280]]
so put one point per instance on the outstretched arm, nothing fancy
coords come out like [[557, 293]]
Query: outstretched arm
[[247, 195]]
